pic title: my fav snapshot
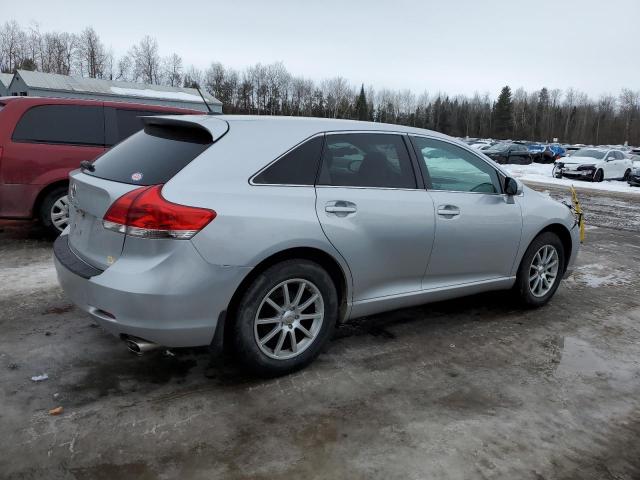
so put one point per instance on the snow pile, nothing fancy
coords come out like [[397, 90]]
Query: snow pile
[[541, 173], [158, 94]]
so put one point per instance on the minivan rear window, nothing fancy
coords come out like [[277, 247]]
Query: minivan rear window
[[153, 155]]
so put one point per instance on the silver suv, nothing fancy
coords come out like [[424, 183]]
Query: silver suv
[[262, 233]]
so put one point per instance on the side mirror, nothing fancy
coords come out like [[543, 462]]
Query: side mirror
[[610, 158], [511, 186]]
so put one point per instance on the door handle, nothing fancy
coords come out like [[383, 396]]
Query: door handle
[[340, 207], [448, 211]]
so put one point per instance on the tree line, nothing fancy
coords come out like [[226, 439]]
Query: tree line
[[570, 116]]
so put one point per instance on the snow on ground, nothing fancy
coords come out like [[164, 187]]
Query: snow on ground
[[541, 173], [28, 278]]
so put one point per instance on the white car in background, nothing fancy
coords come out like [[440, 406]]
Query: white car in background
[[481, 144], [595, 164]]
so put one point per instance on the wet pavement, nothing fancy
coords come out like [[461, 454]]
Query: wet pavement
[[472, 388]]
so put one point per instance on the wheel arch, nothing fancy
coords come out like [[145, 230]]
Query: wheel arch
[[35, 212], [565, 238], [322, 258]]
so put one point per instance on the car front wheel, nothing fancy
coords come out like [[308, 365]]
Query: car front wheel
[[599, 176], [54, 211], [541, 270], [285, 317]]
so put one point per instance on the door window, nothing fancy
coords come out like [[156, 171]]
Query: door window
[[61, 124], [452, 168], [366, 160]]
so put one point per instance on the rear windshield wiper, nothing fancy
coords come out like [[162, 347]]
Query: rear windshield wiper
[[87, 165]]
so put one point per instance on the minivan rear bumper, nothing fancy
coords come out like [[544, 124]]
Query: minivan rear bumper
[[171, 297]]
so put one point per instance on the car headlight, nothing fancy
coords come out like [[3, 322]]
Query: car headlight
[[586, 167]]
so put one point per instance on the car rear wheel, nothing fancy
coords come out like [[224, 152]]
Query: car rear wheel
[[54, 211], [541, 270], [627, 174], [285, 317], [599, 176]]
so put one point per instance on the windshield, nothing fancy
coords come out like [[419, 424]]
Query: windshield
[[498, 147], [590, 152]]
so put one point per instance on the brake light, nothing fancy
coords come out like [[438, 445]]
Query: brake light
[[143, 212]]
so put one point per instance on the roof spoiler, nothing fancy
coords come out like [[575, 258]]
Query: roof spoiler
[[183, 129]]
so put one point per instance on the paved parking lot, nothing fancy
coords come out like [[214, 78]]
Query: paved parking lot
[[472, 388]]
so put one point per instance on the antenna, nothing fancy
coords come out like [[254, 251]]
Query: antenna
[[205, 102]]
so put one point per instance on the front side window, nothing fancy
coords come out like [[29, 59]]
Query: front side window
[[452, 168], [61, 124], [297, 167], [366, 160]]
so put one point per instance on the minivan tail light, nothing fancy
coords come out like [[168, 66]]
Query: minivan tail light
[[143, 212]]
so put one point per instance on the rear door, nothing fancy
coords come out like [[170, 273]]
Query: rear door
[[150, 157], [478, 228], [374, 213], [50, 140]]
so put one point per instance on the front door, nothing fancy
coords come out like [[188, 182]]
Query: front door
[[478, 228], [371, 210]]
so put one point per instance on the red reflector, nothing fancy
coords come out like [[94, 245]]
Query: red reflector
[[143, 212]]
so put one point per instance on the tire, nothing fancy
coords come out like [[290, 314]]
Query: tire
[[627, 174], [530, 294], [277, 356], [54, 211], [599, 176]]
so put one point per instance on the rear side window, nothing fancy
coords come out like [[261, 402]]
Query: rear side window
[[61, 124], [366, 160], [298, 167], [152, 156]]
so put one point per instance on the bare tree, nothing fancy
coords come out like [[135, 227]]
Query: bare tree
[[173, 70], [12, 46], [146, 60], [92, 55]]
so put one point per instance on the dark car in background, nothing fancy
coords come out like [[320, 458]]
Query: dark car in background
[[506, 152], [43, 139], [634, 176]]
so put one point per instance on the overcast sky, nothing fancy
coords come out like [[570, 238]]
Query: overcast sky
[[454, 46]]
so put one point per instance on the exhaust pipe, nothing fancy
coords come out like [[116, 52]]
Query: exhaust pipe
[[140, 346]]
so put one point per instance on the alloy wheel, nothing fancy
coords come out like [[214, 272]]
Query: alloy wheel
[[543, 272], [60, 213], [289, 319]]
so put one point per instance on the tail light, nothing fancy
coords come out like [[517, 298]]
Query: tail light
[[143, 212]]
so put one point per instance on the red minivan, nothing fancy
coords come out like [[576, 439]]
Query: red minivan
[[43, 139]]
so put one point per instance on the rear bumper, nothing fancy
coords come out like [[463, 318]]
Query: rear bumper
[[173, 299], [634, 180]]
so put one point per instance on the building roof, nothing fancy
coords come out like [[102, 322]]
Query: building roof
[[56, 82], [5, 79]]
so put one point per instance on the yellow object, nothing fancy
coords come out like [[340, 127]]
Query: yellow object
[[578, 208]]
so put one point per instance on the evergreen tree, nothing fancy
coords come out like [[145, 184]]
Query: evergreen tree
[[503, 114], [362, 109]]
